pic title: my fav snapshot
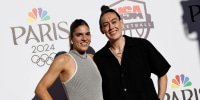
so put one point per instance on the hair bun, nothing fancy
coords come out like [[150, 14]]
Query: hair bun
[[103, 8]]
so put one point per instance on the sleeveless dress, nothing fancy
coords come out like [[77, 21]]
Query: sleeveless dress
[[86, 82]]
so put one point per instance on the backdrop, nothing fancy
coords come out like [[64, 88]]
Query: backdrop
[[34, 31]]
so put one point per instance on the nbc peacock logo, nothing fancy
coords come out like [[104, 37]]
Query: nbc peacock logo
[[180, 81], [38, 14]]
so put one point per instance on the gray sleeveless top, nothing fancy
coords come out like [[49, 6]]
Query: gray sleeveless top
[[86, 82]]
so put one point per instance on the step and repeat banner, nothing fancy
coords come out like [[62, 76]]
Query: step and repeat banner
[[34, 31]]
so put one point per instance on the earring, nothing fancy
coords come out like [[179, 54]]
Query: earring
[[71, 42]]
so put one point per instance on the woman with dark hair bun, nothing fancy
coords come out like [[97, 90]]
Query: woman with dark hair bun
[[126, 63], [76, 69]]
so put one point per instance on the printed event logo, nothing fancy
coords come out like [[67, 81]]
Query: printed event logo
[[137, 22], [42, 35], [181, 85], [33, 16], [180, 80]]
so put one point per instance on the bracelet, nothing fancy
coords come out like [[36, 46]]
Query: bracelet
[[160, 99]]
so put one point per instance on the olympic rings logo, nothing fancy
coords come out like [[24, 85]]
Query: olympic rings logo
[[43, 59]]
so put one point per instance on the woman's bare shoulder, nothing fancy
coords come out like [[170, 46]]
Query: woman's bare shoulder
[[91, 55], [63, 58]]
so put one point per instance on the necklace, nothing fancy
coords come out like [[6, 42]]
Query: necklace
[[118, 55], [83, 56]]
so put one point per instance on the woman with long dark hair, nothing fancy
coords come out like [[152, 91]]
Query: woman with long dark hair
[[76, 69]]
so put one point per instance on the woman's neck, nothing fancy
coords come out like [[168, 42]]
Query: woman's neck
[[118, 45], [80, 52], [117, 48]]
